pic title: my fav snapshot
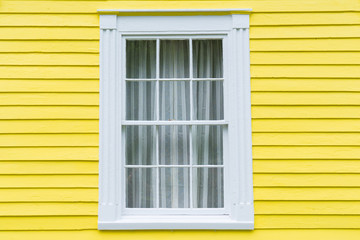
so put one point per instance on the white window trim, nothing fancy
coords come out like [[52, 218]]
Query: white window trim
[[235, 25]]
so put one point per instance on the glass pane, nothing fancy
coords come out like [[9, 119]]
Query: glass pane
[[208, 97], [208, 145], [140, 187], [174, 58], [140, 58], [140, 145], [174, 187], [207, 59], [140, 100], [174, 100], [174, 145], [208, 188]]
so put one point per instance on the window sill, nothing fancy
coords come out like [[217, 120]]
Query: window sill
[[176, 222]]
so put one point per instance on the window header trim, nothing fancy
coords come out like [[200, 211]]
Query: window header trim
[[137, 11], [178, 23]]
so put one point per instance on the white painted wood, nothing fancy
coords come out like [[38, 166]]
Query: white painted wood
[[174, 23], [108, 21], [107, 126], [171, 211], [145, 222], [224, 10], [240, 21], [238, 212]]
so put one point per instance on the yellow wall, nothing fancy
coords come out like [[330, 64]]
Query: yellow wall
[[305, 58]]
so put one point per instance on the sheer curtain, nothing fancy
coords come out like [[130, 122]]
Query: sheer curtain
[[208, 105], [174, 142]]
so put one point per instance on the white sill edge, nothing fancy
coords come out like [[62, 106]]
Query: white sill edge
[[169, 224]]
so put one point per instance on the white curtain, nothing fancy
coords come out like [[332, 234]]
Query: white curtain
[[174, 141]]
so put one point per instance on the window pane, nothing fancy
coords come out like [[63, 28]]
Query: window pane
[[174, 145], [174, 100], [208, 188], [140, 58], [174, 188], [208, 145], [208, 100], [140, 187], [140, 145], [174, 58], [140, 100], [207, 59]]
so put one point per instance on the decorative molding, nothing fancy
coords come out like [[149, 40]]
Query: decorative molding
[[240, 21], [107, 124], [108, 21]]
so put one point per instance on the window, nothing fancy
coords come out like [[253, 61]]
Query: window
[[175, 133]]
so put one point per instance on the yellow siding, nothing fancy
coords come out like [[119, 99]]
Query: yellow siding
[[305, 58]]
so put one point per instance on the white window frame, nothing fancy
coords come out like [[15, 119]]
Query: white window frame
[[233, 26]]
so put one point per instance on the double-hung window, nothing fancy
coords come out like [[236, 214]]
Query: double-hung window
[[175, 135]]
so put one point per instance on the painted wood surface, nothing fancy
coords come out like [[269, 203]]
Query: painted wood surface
[[305, 108]]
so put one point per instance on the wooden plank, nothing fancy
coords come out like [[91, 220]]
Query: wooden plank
[[92, 46], [257, 6], [305, 85], [256, 58], [49, 72], [344, 31], [49, 181], [260, 180], [256, 32], [91, 99], [305, 139], [63, 20], [49, 46], [48, 209], [62, 59], [259, 234], [306, 180], [307, 194], [273, 112], [304, 125], [49, 153], [306, 152], [301, 71], [307, 207], [300, 45], [285, 58], [40, 140], [261, 222], [306, 166], [48, 223], [48, 167], [302, 98], [256, 19], [347, 139], [62, 195], [311, 221], [306, 58], [53, 112], [49, 126], [19, 85], [52, 33], [305, 18]]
